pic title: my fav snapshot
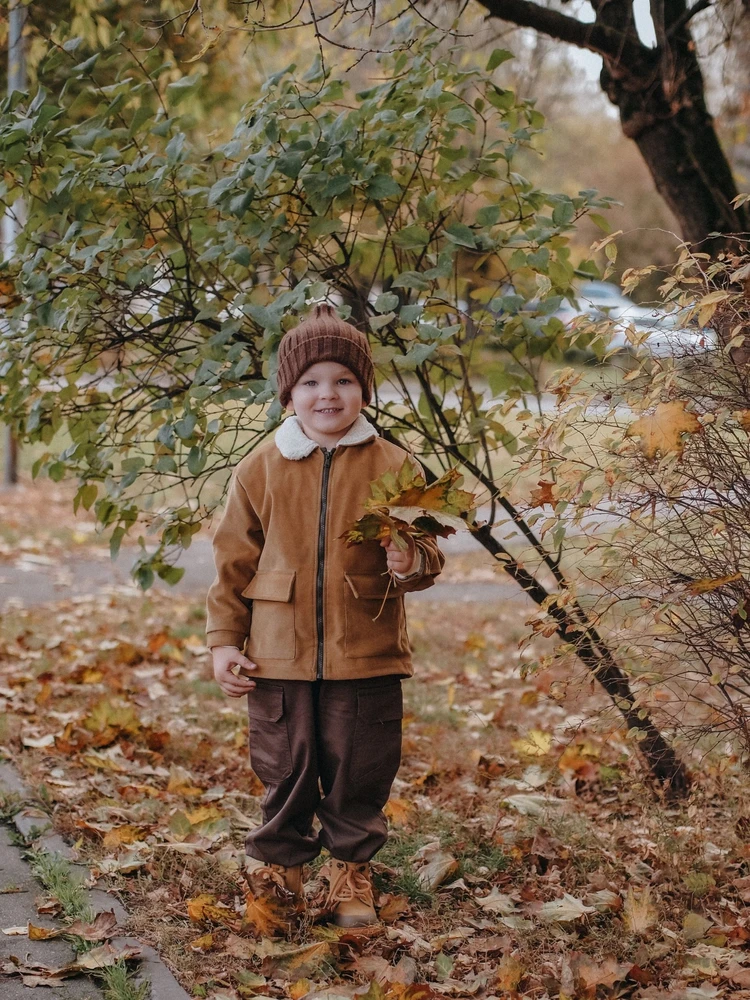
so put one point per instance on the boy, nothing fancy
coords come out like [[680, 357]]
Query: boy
[[314, 622]]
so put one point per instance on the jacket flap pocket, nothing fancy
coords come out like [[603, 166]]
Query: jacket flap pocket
[[269, 585], [382, 704], [266, 703], [371, 585]]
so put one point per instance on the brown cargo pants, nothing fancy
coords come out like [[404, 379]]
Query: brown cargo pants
[[325, 748]]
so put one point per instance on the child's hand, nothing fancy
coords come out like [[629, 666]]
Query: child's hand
[[225, 658], [404, 562]]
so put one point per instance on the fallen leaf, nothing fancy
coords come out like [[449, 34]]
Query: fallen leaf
[[399, 811], [393, 907], [239, 947], [589, 974], [305, 961], [125, 834], [508, 974], [103, 956], [565, 909], [203, 943], [535, 744], [497, 902], [639, 913], [265, 914], [434, 866], [694, 926]]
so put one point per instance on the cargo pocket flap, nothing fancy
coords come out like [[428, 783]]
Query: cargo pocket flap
[[266, 704], [380, 705], [270, 586], [371, 585]]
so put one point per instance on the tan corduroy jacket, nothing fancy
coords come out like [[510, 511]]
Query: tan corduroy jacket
[[289, 591]]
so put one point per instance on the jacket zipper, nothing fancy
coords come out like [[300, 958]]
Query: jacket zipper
[[327, 457]]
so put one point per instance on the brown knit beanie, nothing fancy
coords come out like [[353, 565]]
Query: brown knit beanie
[[322, 336]]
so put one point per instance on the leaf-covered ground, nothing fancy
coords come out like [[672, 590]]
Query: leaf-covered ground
[[527, 854]]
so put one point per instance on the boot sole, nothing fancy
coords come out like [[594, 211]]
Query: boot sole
[[355, 921]]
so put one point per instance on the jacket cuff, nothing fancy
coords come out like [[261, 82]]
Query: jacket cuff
[[415, 573], [218, 638]]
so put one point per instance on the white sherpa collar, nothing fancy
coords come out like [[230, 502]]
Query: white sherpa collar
[[293, 443]]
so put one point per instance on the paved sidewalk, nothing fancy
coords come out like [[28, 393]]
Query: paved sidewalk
[[32, 583], [17, 908]]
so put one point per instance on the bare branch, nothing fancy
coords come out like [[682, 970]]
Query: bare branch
[[595, 37]]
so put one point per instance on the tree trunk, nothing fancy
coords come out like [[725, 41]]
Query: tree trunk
[[660, 94]]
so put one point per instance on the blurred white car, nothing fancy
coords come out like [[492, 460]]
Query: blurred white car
[[657, 331]]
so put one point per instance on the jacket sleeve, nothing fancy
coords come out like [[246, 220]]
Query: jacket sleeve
[[431, 562], [237, 545]]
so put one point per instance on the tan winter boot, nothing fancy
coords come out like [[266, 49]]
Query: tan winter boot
[[350, 893], [286, 878]]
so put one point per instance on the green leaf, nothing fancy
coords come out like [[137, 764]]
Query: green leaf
[[171, 574], [411, 238], [600, 221], [410, 279], [497, 58], [461, 234], [563, 213], [386, 302], [382, 186], [241, 255]]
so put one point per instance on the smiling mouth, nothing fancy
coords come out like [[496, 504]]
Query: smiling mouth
[[331, 409]]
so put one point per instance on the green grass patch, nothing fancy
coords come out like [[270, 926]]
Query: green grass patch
[[61, 881]]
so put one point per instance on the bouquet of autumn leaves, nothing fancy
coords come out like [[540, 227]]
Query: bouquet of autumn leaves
[[402, 505]]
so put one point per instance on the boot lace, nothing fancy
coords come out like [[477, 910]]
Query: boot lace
[[273, 873], [349, 883]]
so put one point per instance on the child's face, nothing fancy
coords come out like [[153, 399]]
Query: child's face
[[327, 399]]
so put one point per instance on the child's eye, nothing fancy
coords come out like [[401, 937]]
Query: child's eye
[[346, 381]]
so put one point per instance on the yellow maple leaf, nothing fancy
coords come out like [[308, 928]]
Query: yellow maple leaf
[[535, 744], [265, 915], [203, 943], [662, 431], [398, 811], [203, 813], [125, 834]]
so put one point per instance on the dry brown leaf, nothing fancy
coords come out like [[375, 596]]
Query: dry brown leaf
[[103, 956], [103, 926], [301, 962], [589, 974], [661, 432], [639, 913], [542, 495], [239, 947], [509, 974], [393, 907], [299, 989], [266, 915], [436, 866]]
